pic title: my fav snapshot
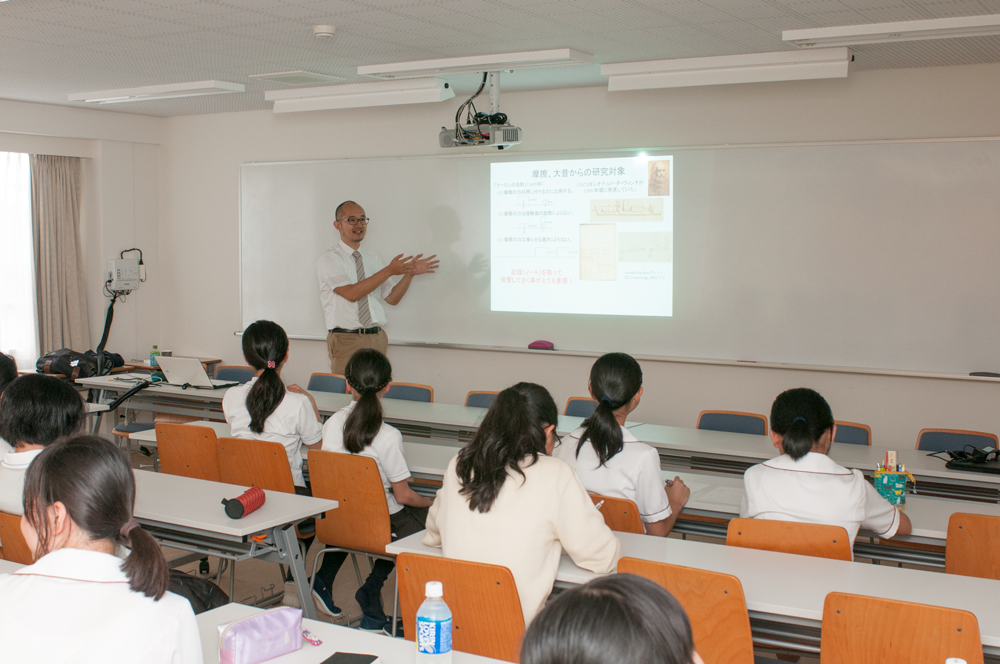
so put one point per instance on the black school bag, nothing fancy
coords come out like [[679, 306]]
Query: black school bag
[[68, 363], [202, 593]]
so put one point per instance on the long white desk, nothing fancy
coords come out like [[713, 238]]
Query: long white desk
[[785, 592], [716, 451], [335, 638], [187, 514]]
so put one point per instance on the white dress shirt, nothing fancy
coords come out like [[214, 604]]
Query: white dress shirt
[[293, 423], [634, 473], [12, 469], [75, 606], [815, 489], [336, 268], [386, 448]]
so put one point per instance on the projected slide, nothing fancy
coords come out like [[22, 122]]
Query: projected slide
[[588, 236]]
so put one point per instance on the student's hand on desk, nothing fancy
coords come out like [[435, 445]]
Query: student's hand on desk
[[425, 266], [295, 388], [677, 494]]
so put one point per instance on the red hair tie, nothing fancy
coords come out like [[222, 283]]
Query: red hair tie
[[270, 364]]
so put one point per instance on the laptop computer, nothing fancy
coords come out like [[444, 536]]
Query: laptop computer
[[992, 466], [189, 372]]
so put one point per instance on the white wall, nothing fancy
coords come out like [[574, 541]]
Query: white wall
[[119, 201], [197, 270]]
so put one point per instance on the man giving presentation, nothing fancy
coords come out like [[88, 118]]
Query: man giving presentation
[[353, 284]]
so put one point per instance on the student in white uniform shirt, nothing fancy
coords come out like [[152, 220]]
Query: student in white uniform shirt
[[264, 408], [35, 411], [8, 374], [804, 484], [79, 602], [610, 460], [359, 429], [504, 501]]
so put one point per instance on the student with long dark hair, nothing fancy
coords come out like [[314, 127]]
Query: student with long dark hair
[[804, 484], [8, 374], [623, 618], [35, 411], [610, 460], [359, 429], [504, 501], [267, 409], [79, 602]]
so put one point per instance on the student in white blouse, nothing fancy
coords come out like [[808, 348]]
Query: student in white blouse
[[504, 501], [264, 408], [610, 460], [359, 429], [35, 411], [79, 602], [804, 484]]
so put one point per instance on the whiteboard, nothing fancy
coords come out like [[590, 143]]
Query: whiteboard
[[877, 255]]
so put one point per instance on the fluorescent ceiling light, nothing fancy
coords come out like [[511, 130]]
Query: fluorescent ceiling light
[[152, 92], [479, 63], [877, 33], [357, 95], [724, 69], [297, 77]]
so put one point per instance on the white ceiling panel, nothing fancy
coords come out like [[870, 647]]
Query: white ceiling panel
[[50, 48]]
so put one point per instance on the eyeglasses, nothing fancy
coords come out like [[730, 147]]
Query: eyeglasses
[[354, 221]]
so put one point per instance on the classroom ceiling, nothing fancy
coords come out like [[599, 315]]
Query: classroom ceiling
[[51, 48]]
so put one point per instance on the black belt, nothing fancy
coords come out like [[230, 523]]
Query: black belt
[[364, 330]]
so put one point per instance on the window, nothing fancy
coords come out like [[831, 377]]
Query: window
[[18, 336]]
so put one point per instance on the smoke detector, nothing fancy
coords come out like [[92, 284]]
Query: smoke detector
[[324, 31]]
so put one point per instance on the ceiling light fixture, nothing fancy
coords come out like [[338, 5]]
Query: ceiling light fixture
[[324, 31], [151, 92], [727, 69], [478, 63], [358, 95], [879, 33], [297, 77]]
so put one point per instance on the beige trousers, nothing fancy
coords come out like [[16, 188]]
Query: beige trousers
[[342, 345]]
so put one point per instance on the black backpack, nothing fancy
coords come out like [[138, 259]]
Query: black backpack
[[68, 363], [203, 594]]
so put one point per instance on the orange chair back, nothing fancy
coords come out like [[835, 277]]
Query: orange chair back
[[973, 542], [714, 603], [188, 451], [871, 629], [261, 463], [361, 520], [804, 539], [15, 549], [487, 619], [621, 514]]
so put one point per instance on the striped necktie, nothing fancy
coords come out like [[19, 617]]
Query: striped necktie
[[364, 315]]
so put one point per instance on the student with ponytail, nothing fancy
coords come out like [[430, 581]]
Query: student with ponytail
[[610, 460], [79, 602], [359, 429], [804, 484], [267, 409], [505, 501]]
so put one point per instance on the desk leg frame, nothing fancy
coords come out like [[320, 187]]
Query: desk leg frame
[[290, 554]]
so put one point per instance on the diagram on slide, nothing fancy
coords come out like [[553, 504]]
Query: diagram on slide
[[626, 210], [645, 247], [597, 252]]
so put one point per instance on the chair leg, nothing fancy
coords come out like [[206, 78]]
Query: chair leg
[[395, 605], [357, 570], [232, 582]]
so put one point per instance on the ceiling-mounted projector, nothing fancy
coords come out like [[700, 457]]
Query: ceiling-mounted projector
[[490, 129]]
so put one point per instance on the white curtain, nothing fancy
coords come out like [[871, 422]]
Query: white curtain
[[18, 313]]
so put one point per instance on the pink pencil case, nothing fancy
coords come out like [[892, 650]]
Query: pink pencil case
[[261, 637]]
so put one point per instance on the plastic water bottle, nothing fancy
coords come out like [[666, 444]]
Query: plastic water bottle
[[153, 354], [434, 627]]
